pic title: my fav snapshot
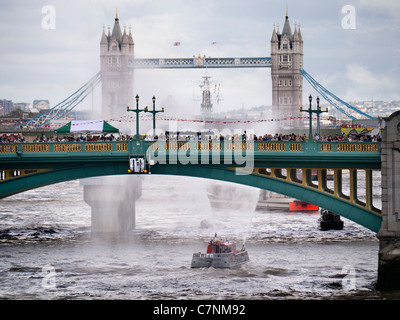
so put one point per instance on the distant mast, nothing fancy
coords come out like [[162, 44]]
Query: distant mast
[[207, 96], [206, 105]]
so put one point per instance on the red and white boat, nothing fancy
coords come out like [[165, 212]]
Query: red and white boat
[[221, 253]]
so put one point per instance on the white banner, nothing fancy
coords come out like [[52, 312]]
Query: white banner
[[85, 125]]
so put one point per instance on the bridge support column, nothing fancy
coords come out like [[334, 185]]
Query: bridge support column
[[112, 200], [389, 233]]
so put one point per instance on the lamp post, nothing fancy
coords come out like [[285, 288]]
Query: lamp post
[[318, 111], [154, 112], [309, 111], [137, 111]]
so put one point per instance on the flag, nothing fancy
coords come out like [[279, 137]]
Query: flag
[[213, 42], [177, 43]]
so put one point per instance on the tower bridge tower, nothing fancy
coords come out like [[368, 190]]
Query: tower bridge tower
[[114, 212], [116, 49], [287, 59]]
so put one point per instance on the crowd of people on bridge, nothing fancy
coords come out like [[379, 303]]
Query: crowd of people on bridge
[[81, 138], [351, 138], [268, 137], [19, 138], [12, 138]]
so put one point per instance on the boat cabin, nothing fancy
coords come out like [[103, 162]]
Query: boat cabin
[[220, 245]]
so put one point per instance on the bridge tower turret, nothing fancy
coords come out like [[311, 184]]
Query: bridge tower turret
[[287, 81], [116, 49]]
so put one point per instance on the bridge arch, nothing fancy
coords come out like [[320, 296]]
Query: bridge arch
[[349, 210]]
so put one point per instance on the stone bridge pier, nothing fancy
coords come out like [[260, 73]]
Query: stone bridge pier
[[389, 233], [112, 199]]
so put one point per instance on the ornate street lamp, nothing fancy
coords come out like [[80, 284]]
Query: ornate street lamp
[[154, 112], [310, 112], [137, 111]]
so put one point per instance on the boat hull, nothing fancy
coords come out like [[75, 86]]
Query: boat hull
[[219, 260], [302, 206], [331, 225]]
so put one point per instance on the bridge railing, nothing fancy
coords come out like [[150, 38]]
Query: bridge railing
[[275, 146], [141, 146], [58, 147], [349, 146], [225, 145]]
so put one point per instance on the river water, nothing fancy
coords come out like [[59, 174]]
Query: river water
[[47, 250]]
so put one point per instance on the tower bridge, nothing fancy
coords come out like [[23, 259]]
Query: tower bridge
[[118, 63]]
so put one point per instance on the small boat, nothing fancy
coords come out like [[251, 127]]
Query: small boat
[[221, 253], [298, 205], [330, 220]]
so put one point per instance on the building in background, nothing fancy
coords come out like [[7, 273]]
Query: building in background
[[6, 106]]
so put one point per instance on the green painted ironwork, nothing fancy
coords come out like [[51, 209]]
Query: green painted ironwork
[[26, 166]]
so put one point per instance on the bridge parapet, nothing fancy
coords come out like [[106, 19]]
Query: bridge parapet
[[271, 154], [140, 147]]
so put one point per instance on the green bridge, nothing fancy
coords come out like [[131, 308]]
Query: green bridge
[[310, 170]]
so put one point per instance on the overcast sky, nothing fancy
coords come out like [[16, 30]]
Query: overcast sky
[[355, 64]]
